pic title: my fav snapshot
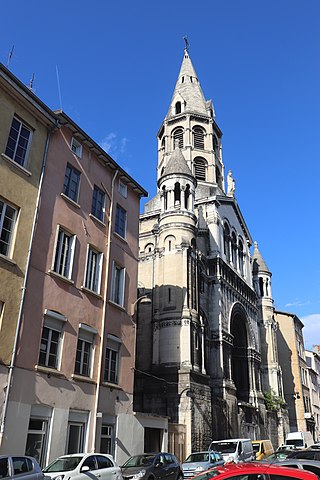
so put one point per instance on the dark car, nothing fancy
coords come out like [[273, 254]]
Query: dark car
[[152, 466], [309, 465], [19, 467], [277, 456], [306, 454]]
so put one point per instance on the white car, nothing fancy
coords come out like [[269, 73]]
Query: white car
[[83, 466]]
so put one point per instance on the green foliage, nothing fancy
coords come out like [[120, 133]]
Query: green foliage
[[273, 402]]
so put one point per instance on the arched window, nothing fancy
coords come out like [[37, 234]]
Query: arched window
[[149, 248], [177, 195], [198, 137], [200, 166], [218, 177], [163, 142], [234, 249], [240, 250], [178, 107], [226, 242], [165, 197], [178, 135], [186, 197], [215, 143], [169, 243]]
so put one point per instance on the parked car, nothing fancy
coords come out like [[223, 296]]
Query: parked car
[[83, 466], [306, 454], [152, 466], [255, 471], [277, 456], [262, 448], [234, 449], [309, 465], [199, 461], [285, 447], [19, 467], [299, 439]]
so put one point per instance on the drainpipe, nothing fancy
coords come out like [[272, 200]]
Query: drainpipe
[[104, 308], [19, 321]]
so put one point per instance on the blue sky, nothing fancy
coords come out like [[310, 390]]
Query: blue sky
[[258, 60]]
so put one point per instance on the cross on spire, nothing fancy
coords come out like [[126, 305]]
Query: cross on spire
[[185, 38]]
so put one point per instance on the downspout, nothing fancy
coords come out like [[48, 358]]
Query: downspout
[[104, 308], [19, 321]]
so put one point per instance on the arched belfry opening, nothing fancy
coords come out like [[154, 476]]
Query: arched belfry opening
[[239, 353]]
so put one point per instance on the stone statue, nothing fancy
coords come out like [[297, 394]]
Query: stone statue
[[231, 184]]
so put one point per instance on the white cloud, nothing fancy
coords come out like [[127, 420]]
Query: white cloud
[[114, 145], [297, 303], [311, 330]]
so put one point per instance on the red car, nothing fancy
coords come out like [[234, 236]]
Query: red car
[[255, 471]]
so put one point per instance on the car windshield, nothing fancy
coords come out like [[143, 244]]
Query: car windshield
[[297, 442], [281, 455], [197, 457], [225, 447], [139, 461], [63, 464]]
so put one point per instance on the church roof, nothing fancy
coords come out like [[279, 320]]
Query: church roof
[[188, 90], [177, 164], [258, 264]]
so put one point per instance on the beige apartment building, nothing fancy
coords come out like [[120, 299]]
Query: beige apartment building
[[294, 366], [25, 128], [71, 386], [313, 362]]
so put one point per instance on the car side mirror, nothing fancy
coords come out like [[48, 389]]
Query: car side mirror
[[85, 469], [158, 464]]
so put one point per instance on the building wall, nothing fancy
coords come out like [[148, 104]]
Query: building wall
[[57, 396], [18, 187], [291, 358]]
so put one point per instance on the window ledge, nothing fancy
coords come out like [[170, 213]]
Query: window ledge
[[75, 204], [114, 304], [61, 277], [97, 220], [7, 260], [120, 237], [48, 370], [91, 292], [16, 165], [112, 385], [82, 378]]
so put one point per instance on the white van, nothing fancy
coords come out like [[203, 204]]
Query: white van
[[234, 449], [299, 439]]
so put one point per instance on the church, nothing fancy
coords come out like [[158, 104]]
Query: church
[[206, 343]]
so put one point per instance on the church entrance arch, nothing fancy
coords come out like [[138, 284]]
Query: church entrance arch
[[239, 353]]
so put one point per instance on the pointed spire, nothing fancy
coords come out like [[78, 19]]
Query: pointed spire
[[177, 163], [258, 264], [187, 94]]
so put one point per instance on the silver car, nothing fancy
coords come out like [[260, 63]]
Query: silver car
[[83, 466], [19, 467]]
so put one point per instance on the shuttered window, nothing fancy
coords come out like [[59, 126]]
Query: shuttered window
[[178, 135], [198, 138], [200, 169]]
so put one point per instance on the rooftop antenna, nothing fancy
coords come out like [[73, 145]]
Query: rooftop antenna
[[59, 91], [9, 56], [185, 38], [31, 81]]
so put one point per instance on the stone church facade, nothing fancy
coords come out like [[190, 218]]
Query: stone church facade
[[206, 345]]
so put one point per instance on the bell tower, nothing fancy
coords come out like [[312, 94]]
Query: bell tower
[[190, 121]]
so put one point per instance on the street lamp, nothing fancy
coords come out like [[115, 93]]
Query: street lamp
[[142, 299]]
